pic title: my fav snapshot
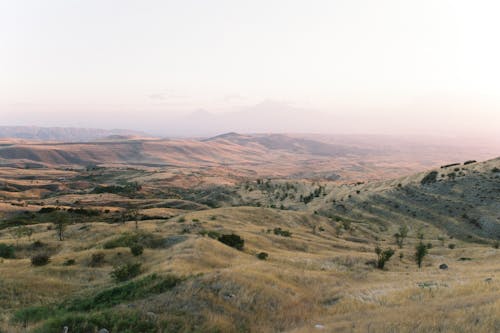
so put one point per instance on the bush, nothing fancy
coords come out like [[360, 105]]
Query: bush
[[97, 259], [129, 239], [7, 251], [126, 272], [232, 240], [210, 233], [496, 245], [40, 259], [281, 232], [136, 249], [383, 256], [451, 246], [69, 262], [263, 256], [420, 253]]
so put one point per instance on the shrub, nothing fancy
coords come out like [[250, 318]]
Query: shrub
[[281, 232], [401, 235], [40, 259], [451, 246], [383, 256], [97, 259], [69, 262], [232, 240], [126, 272], [136, 249], [262, 256], [420, 253], [7, 251], [496, 245], [210, 233]]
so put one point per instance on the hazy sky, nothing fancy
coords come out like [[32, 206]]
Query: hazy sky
[[426, 64]]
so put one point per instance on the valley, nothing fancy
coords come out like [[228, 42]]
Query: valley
[[245, 234]]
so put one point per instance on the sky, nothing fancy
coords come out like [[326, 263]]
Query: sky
[[387, 66]]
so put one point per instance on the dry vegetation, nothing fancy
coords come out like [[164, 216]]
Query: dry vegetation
[[319, 236]]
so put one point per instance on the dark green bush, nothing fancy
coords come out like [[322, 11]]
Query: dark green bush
[[210, 233], [281, 232], [232, 240], [383, 256], [40, 259], [69, 262], [7, 251], [126, 272], [136, 249], [263, 256], [451, 246]]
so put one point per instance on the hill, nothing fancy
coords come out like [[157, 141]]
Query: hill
[[305, 263], [346, 159]]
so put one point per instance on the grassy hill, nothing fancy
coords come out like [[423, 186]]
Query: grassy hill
[[307, 262]]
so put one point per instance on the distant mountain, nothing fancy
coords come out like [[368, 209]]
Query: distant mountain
[[66, 134]]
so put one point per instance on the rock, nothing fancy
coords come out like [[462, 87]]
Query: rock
[[103, 330], [319, 326], [488, 280], [443, 266]]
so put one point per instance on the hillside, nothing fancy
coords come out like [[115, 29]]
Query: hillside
[[345, 159], [319, 238]]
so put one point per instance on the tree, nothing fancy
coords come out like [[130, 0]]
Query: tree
[[133, 214], [420, 253], [60, 221], [383, 256], [401, 235]]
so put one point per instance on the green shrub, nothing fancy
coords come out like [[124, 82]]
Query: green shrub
[[126, 272], [420, 253], [210, 233], [7, 251], [281, 232], [40, 259], [383, 256], [69, 262], [262, 256], [136, 249], [451, 246], [232, 240], [496, 245]]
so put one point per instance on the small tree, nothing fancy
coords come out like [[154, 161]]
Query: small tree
[[420, 253], [60, 221], [133, 214], [401, 235], [383, 256]]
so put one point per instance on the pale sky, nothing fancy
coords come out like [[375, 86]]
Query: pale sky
[[413, 65]]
